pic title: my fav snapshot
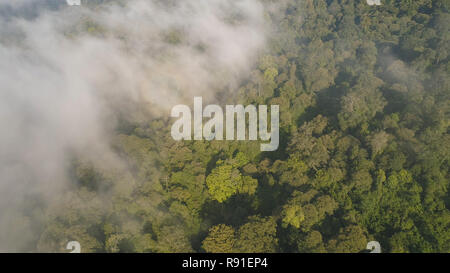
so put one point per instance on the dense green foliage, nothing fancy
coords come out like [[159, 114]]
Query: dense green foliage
[[364, 149]]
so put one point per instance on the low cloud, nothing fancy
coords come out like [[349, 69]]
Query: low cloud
[[67, 73]]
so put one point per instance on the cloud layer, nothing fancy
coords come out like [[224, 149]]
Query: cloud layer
[[66, 73]]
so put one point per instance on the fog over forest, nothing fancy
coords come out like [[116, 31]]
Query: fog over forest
[[85, 147]]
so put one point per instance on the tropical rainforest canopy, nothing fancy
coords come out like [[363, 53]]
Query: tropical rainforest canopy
[[364, 97]]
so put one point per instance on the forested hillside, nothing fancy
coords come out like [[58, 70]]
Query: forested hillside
[[364, 96]]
